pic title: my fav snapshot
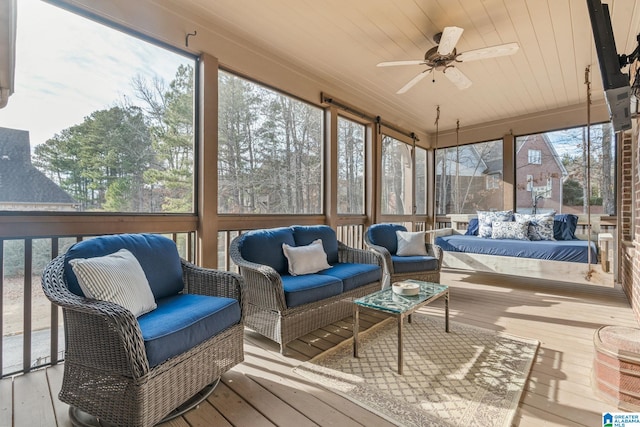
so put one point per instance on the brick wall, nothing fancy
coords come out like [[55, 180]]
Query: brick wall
[[626, 192], [629, 246]]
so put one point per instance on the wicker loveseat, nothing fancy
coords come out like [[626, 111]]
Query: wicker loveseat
[[135, 371], [282, 306], [382, 238]]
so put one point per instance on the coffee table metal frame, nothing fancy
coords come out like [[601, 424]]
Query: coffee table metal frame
[[399, 306]]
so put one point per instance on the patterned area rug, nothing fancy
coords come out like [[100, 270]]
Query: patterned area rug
[[468, 377]]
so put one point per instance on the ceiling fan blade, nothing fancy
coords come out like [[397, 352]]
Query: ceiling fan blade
[[449, 39], [457, 77], [395, 63], [415, 80], [488, 52]]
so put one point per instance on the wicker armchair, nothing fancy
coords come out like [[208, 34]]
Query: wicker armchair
[[381, 238], [267, 310], [107, 373]]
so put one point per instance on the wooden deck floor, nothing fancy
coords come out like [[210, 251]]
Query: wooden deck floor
[[263, 391]]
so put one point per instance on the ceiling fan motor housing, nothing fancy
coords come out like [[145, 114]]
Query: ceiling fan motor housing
[[434, 60]]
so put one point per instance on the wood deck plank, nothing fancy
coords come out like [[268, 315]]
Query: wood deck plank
[[6, 402], [275, 409], [236, 409], [54, 377], [205, 415], [32, 400]]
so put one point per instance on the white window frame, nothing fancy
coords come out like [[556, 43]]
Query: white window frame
[[534, 157]]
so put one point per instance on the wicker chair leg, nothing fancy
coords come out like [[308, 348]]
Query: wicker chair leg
[[79, 418]]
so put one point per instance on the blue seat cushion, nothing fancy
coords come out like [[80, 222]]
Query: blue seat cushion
[[411, 264], [265, 247], [555, 250], [157, 255], [354, 275], [183, 321], [304, 235], [299, 290], [385, 235]]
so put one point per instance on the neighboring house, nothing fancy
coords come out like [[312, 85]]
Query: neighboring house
[[477, 176], [540, 174], [22, 186]]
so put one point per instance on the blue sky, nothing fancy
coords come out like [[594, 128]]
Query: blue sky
[[68, 66]]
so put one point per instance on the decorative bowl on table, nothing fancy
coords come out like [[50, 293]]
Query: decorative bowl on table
[[406, 288]]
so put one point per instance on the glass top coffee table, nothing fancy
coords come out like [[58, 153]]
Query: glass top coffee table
[[400, 306]]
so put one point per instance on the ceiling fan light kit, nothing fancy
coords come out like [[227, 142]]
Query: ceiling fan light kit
[[444, 56]]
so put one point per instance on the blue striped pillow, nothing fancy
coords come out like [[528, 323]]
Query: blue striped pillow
[[118, 278]]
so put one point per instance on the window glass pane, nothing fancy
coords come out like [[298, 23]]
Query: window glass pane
[[397, 176], [100, 120], [469, 178], [350, 167], [421, 181], [559, 181], [269, 150], [535, 157]]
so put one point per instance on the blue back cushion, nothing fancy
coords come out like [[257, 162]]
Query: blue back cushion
[[472, 227], [385, 235], [157, 255], [303, 235], [265, 247], [564, 226]]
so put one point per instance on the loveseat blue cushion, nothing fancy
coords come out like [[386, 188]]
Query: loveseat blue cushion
[[265, 247], [304, 235], [183, 321], [157, 255], [385, 235], [354, 275], [410, 264], [299, 290]]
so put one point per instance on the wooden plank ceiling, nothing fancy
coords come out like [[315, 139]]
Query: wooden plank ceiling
[[342, 41]]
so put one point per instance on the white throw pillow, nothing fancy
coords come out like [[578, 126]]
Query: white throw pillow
[[540, 225], [306, 259], [510, 230], [410, 243], [486, 219], [118, 278]]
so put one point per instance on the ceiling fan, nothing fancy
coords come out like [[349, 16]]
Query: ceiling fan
[[444, 56]]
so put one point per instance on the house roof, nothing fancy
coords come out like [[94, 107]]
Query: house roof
[[20, 181]]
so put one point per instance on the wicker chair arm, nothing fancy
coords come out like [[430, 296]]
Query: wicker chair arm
[[111, 326], [263, 284], [218, 283], [358, 256], [436, 252], [207, 281], [384, 253]]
